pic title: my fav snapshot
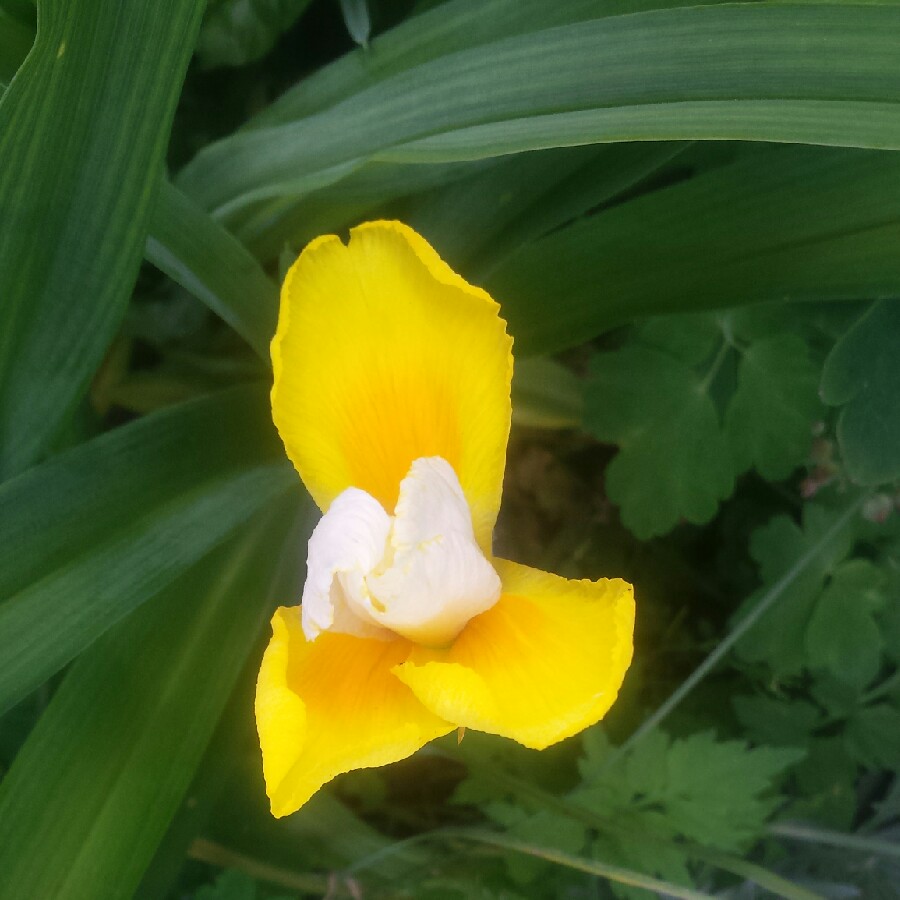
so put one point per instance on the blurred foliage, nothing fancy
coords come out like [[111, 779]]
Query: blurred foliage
[[706, 402]]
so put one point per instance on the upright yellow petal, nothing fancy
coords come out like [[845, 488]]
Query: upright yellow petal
[[331, 705], [384, 355], [541, 665]]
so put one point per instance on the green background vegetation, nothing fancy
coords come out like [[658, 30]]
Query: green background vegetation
[[691, 218]]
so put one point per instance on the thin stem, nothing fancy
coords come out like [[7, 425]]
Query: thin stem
[[217, 855], [589, 866], [835, 839], [765, 603]]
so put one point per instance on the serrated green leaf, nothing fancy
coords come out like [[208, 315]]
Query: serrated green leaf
[[709, 791], [778, 722], [843, 635], [862, 374], [690, 338], [769, 419], [780, 638], [93, 789], [672, 462], [149, 500], [229, 885], [236, 32], [103, 77]]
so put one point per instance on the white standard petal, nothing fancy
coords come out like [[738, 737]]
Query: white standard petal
[[348, 542], [434, 578]]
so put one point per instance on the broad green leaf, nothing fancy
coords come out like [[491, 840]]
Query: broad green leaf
[[236, 32], [205, 259], [98, 530], [843, 635], [769, 419], [455, 26], [780, 223], [93, 789], [83, 133], [673, 462], [477, 221], [267, 227], [862, 375], [741, 71]]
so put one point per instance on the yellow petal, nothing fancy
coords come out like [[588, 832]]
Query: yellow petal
[[384, 355], [329, 706], [541, 665]]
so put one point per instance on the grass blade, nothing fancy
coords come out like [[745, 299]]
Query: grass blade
[[83, 132], [96, 532], [90, 794]]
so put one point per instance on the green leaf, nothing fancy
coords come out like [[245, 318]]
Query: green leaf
[[862, 375], [236, 32], [778, 224], [91, 793], [717, 793], [205, 259], [779, 722], [873, 736], [779, 639], [843, 635], [692, 339], [95, 532], [478, 220], [83, 133], [672, 462], [736, 71], [768, 422]]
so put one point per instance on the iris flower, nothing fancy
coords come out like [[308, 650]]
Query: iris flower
[[392, 397]]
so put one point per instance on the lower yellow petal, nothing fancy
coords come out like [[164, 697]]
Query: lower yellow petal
[[331, 705], [541, 665]]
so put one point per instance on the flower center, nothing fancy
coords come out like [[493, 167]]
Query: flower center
[[419, 573]]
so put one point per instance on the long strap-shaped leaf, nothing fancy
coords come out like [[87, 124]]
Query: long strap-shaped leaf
[[92, 534], [83, 131], [810, 73], [801, 223], [91, 792]]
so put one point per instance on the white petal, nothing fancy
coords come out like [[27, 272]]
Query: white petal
[[436, 578], [348, 542], [430, 503]]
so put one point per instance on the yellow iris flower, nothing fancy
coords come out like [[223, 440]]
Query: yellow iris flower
[[392, 397]]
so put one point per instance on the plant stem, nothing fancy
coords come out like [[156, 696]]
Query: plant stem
[[835, 839]]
